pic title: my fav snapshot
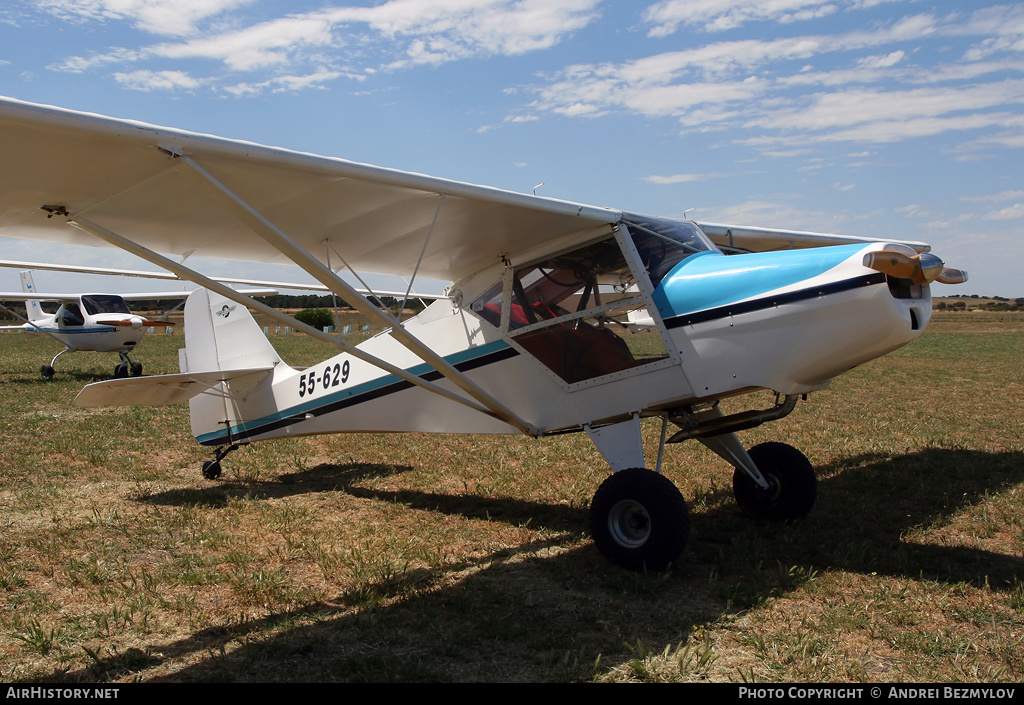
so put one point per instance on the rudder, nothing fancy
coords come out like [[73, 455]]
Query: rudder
[[220, 334]]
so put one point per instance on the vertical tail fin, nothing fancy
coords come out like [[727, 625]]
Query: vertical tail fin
[[33, 308], [220, 335]]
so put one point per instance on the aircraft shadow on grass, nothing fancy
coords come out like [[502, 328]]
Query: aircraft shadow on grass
[[536, 606]]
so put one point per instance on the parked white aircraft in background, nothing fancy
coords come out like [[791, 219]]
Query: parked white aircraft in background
[[90, 322], [522, 342]]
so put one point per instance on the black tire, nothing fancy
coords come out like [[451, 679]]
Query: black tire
[[639, 520], [46, 371], [121, 371], [136, 369], [793, 485], [211, 469]]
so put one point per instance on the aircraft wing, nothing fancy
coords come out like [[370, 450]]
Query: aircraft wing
[[135, 296], [755, 239], [38, 296], [155, 295], [140, 181], [145, 274]]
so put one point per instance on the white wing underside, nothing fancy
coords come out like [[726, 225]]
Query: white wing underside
[[119, 175], [124, 176]]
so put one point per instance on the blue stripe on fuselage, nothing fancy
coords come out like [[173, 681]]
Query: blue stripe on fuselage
[[711, 280], [464, 361], [73, 331]]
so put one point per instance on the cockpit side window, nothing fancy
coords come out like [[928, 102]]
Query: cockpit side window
[[593, 276], [71, 315], [663, 244], [488, 306], [572, 311]]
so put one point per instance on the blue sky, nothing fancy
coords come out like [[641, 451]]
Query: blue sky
[[887, 118]]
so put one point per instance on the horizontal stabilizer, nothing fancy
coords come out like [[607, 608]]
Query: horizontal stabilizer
[[161, 390]]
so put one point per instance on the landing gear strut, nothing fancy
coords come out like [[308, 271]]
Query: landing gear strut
[[47, 370], [638, 517]]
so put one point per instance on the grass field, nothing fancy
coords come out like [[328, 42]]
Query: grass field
[[466, 558]]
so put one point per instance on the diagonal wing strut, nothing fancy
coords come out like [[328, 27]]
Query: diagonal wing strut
[[486, 403]]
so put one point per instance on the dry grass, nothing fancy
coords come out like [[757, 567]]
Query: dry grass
[[465, 558]]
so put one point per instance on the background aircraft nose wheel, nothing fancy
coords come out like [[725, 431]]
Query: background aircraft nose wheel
[[211, 469], [793, 485], [639, 520]]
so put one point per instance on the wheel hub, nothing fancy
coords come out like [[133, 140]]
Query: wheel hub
[[629, 523]]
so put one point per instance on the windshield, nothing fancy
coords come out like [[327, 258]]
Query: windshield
[[104, 303], [662, 243]]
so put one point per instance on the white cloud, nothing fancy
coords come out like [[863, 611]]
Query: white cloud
[[756, 85], [399, 33], [157, 80], [1014, 212], [859, 106], [165, 17], [882, 61], [280, 84], [992, 197], [266, 44], [667, 16], [678, 178]]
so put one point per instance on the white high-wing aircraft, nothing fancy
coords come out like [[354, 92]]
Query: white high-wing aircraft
[[525, 340], [90, 322], [85, 322]]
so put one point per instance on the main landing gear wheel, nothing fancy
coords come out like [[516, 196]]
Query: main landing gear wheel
[[639, 520], [792, 490]]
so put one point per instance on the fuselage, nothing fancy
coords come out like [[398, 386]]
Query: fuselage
[[788, 321], [96, 322]]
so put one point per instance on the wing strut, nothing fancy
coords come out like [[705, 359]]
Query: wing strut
[[238, 297], [297, 254]]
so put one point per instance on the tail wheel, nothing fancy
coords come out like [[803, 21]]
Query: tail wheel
[[46, 371], [792, 485], [211, 469], [639, 520]]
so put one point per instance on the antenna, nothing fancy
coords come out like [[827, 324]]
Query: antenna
[[537, 187]]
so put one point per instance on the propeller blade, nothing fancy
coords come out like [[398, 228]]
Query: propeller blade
[[894, 264], [136, 323], [951, 276]]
